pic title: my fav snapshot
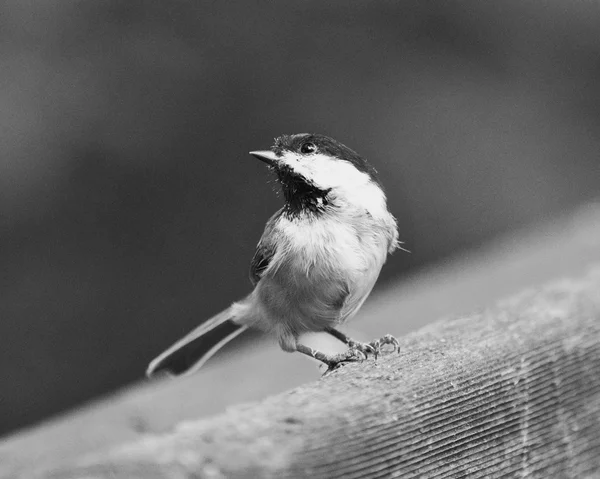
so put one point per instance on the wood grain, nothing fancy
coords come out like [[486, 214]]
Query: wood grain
[[511, 391]]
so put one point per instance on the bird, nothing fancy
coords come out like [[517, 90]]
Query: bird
[[316, 262]]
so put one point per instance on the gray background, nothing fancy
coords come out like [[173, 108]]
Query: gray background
[[129, 208]]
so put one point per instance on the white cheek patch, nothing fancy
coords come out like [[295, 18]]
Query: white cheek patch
[[324, 171], [297, 163], [337, 173], [347, 183]]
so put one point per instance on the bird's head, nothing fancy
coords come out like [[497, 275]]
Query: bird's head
[[316, 170]]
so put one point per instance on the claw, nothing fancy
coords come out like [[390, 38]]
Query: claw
[[364, 348], [388, 339], [376, 345], [352, 355]]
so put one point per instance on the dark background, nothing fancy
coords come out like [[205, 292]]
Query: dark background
[[129, 207]]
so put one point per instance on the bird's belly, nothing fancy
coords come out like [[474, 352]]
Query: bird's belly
[[320, 278]]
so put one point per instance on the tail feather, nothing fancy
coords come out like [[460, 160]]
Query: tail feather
[[193, 350]]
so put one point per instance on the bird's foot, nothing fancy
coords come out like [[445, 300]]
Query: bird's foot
[[333, 361], [377, 346], [352, 355], [364, 348]]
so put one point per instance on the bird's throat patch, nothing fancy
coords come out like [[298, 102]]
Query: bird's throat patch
[[301, 196]]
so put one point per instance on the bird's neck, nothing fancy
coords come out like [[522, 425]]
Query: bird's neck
[[305, 202], [302, 198]]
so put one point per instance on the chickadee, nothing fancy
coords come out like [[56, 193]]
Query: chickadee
[[316, 261]]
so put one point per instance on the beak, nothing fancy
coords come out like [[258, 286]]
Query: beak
[[267, 156]]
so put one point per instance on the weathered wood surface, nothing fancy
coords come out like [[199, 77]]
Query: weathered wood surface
[[511, 391], [562, 247]]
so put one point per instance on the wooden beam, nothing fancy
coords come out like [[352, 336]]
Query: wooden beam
[[511, 391]]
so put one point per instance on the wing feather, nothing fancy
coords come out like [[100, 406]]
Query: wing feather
[[265, 250]]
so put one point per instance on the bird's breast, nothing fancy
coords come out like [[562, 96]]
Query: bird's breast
[[328, 246], [322, 271]]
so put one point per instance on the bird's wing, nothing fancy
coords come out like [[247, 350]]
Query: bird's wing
[[265, 250]]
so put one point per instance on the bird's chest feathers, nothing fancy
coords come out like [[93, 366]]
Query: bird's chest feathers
[[327, 246]]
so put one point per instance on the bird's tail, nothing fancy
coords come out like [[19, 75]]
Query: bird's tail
[[194, 349]]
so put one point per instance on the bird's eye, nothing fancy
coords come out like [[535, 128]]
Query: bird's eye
[[308, 148]]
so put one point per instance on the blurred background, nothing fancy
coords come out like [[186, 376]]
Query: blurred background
[[130, 209]]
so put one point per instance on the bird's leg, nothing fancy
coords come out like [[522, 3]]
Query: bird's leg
[[374, 347], [332, 360]]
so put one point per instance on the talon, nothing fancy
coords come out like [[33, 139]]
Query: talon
[[376, 347], [364, 348], [355, 354], [374, 351], [352, 355], [388, 339]]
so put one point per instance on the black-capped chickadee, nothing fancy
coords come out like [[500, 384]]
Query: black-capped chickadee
[[316, 262]]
